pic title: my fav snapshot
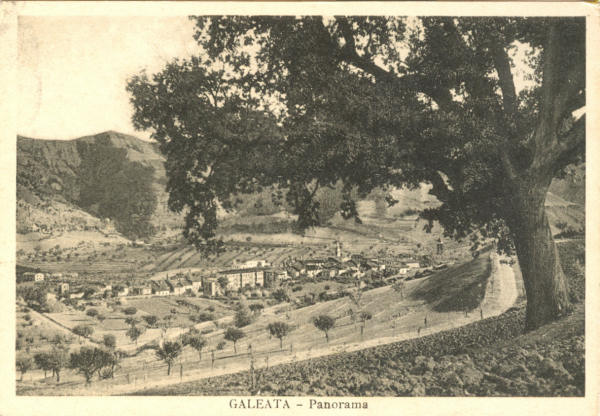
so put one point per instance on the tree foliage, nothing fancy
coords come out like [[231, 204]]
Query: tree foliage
[[151, 320], [83, 330], [168, 352], [89, 360], [196, 341], [24, 363], [375, 102], [324, 323], [109, 340], [279, 330], [135, 332], [234, 335], [243, 315]]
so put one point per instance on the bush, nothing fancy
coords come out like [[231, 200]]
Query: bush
[[281, 295], [131, 310], [109, 340], [83, 330], [91, 312], [243, 316], [202, 317]]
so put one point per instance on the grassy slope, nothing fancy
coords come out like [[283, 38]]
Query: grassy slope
[[489, 357], [457, 289]]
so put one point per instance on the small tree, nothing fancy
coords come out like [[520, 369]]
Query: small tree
[[92, 312], [134, 332], [131, 321], [100, 317], [364, 317], [281, 295], [234, 335], [168, 352], [86, 361], [83, 330], [168, 320], [243, 316], [109, 341], [57, 360], [324, 323], [196, 341], [256, 308], [24, 364], [279, 330], [107, 359], [151, 320], [42, 361], [131, 310], [223, 283]]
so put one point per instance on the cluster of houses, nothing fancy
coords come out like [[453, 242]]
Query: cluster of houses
[[326, 268], [41, 277], [249, 274]]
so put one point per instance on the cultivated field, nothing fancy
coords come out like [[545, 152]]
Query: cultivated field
[[393, 316]]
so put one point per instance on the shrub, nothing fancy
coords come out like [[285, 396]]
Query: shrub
[[281, 295], [151, 320], [83, 330], [109, 340], [131, 310], [92, 312], [243, 316], [202, 317]]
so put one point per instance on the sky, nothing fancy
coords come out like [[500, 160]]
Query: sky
[[72, 71]]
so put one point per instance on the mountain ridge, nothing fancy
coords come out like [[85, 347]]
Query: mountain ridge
[[47, 170]]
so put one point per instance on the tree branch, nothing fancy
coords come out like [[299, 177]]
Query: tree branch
[[439, 188], [416, 82], [572, 145], [561, 94], [507, 85]]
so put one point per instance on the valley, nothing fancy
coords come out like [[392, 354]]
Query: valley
[[382, 282]]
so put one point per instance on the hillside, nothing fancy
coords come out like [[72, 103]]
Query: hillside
[[47, 195], [47, 182], [491, 357]]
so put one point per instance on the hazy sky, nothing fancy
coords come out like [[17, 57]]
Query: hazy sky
[[73, 70]]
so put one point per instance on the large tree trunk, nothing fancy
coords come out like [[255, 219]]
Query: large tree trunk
[[545, 284]]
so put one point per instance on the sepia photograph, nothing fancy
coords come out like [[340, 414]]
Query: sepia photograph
[[330, 206]]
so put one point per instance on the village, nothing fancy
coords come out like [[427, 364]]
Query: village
[[241, 277]]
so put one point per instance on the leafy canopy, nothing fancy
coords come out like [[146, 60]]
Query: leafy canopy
[[302, 103]]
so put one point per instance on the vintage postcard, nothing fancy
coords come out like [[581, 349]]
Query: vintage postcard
[[280, 208]]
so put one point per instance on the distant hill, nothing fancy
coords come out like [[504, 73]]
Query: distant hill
[[47, 191], [47, 173], [49, 167]]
